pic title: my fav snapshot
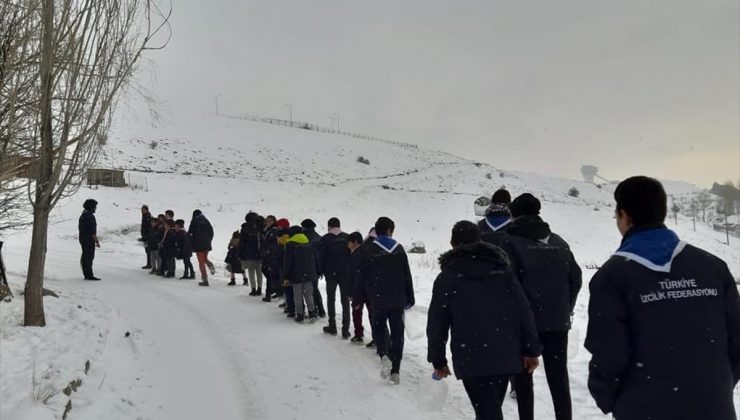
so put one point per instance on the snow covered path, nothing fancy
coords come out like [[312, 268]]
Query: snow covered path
[[194, 351]]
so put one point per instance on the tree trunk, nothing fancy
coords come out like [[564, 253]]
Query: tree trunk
[[34, 290], [34, 300]]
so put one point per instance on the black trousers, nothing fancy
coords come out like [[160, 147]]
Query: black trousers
[[555, 358], [272, 277], [148, 257], [487, 393], [169, 265], [86, 261], [188, 267], [393, 319], [332, 282]]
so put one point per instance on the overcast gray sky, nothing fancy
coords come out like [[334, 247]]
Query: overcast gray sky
[[647, 87]]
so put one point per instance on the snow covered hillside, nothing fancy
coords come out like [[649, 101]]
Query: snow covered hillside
[[166, 349]]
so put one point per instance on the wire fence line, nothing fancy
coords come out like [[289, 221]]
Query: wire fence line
[[315, 127]]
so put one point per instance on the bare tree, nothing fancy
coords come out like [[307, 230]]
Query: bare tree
[[703, 200], [79, 55]]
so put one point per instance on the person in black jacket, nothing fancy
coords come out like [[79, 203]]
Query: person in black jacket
[[88, 237], [168, 249], [335, 259], [497, 215], [250, 252], [309, 228], [551, 279], [386, 278], [201, 237], [146, 226], [359, 299], [184, 249], [233, 261], [301, 271], [270, 263], [664, 320], [478, 297]]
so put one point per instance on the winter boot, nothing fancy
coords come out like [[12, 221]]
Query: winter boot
[[299, 318], [346, 335], [385, 367], [184, 277], [312, 317], [231, 283], [211, 267], [371, 344], [283, 305], [245, 282], [290, 315], [204, 281], [357, 340], [266, 298], [330, 329], [147, 267], [259, 292], [395, 378]]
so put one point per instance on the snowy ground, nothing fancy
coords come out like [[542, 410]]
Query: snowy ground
[[194, 353]]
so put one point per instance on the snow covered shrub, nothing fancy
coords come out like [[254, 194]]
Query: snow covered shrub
[[153, 144], [573, 192], [363, 159], [43, 389]]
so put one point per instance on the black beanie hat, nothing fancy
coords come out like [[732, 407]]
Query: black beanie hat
[[308, 224], [294, 230], [525, 205], [465, 232], [89, 204], [501, 197], [197, 213]]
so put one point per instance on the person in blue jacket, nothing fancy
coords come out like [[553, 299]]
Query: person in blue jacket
[[664, 320]]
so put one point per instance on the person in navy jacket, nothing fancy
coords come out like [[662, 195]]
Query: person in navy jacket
[[664, 320]]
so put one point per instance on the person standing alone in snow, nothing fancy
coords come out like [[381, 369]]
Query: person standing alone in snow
[[146, 227], [88, 237], [551, 279], [478, 297], [386, 278], [664, 320], [201, 237]]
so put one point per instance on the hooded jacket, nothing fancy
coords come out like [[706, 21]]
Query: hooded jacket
[[478, 298], [546, 269], [300, 260], [663, 331], [314, 240], [88, 228], [146, 225], [386, 276], [182, 243], [250, 243]]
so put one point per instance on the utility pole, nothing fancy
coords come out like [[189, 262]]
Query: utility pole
[[290, 111], [217, 114], [336, 115], [332, 118]]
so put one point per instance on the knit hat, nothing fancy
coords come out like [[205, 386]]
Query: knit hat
[[525, 205], [295, 230], [498, 209], [501, 197], [197, 213], [282, 223], [308, 224]]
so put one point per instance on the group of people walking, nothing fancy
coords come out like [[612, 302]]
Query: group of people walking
[[664, 317]]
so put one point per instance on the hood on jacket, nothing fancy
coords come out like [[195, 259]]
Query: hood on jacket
[[298, 238], [654, 248], [478, 252], [497, 221], [386, 243], [335, 231], [532, 227]]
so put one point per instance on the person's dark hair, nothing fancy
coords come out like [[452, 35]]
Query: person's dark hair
[[169, 213], [501, 197], [525, 205], [160, 217], [295, 230], [643, 199], [180, 223], [250, 217], [90, 204], [465, 232], [308, 224], [271, 217], [384, 225], [144, 207], [355, 237], [259, 223], [169, 222], [235, 235], [196, 213], [334, 223]]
